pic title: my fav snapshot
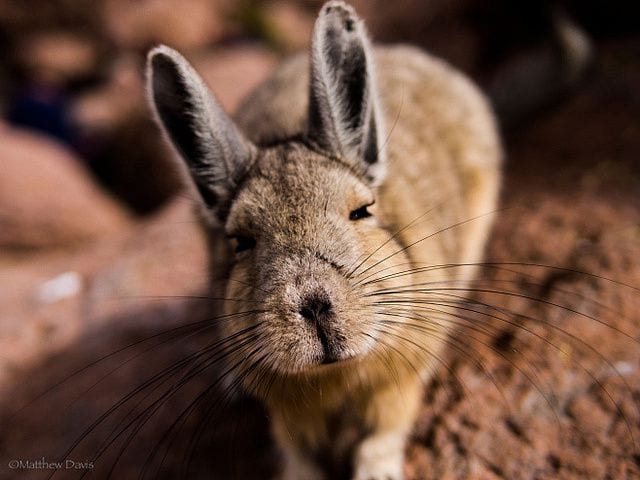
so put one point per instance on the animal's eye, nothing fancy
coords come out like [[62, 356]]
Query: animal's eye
[[243, 243], [359, 213]]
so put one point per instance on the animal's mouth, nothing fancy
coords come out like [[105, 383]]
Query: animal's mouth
[[332, 360], [329, 361]]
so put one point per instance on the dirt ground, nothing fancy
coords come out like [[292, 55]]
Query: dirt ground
[[541, 382]]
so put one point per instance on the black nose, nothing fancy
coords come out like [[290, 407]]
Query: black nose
[[318, 311], [316, 308]]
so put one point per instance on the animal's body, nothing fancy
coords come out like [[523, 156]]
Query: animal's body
[[350, 183]]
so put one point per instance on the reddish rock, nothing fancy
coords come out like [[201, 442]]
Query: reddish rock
[[232, 73], [183, 24], [47, 198], [291, 23], [55, 58], [126, 147], [52, 299], [101, 110]]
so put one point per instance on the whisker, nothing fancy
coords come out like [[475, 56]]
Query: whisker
[[501, 266], [436, 285], [129, 346], [459, 301], [506, 293], [178, 365], [186, 297], [431, 235], [413, 222]]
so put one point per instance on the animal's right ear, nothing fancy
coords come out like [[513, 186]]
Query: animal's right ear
[[215, 152], [344, 117]]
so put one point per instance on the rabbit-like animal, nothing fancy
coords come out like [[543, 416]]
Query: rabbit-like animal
[[350, 181]]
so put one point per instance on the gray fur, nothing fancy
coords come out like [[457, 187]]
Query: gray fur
[[308, 264], [215, 152], [343, 113]]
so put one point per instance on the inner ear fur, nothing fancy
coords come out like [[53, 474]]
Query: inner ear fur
[[211, 147], [343, 109]]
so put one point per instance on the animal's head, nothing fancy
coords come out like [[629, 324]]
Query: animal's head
[[301, 216]]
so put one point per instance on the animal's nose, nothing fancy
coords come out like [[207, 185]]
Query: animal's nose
[[316, 308], [318, 311]]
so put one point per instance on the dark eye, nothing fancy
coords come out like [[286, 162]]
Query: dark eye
[[359, 213], [243, 243]]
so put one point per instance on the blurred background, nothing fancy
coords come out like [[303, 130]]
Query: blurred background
[[72, 71], [92, 217]]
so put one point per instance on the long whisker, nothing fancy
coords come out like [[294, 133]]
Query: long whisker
[[176, 331], [433, 286], [413, 222], [459, 301], [501, 266], [137, 390], [431, 235], [506, 293]]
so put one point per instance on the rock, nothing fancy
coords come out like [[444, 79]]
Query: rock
[[182, 24], [51, 299], [233, 72], [55, 58], [291, 24], [47, 198], [101, 109]]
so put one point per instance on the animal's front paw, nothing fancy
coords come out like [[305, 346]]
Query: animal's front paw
[[380, 457], [380, 471]]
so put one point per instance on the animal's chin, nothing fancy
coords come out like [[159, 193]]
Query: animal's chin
[[329, 364], [305, 358], [318, 366], [328, 360]]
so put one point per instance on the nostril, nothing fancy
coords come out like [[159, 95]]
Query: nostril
[[315, 308], [307, 313], [325, 308]]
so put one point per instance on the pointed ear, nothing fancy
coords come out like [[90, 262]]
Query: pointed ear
[[213, 149], [343, 109]]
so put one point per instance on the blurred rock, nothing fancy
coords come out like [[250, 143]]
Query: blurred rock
[[102, 108], [182, 24], [291, 24], [122, 144], [52, 298], [47, 198], [233, 72], [55, 58]]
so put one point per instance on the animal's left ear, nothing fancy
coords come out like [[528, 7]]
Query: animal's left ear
[[343, 114]]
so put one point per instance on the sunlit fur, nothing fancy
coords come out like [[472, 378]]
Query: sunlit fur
[[434, 206]]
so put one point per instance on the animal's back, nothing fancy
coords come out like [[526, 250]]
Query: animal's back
[[440, 139]]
